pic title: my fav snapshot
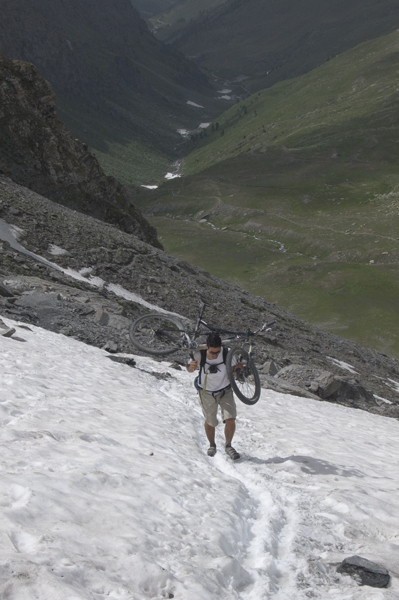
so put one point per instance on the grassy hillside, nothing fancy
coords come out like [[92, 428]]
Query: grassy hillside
[[295, 196], [168, 24], [269, 41]]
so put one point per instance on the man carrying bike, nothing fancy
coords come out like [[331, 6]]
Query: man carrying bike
[[214, 390]]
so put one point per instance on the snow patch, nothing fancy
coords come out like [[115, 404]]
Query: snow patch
[[89, 469], [118, 290], [17, 232], [96, 502], [184, 132], [383, 399], [56, 250], [343, 365], [395, 385], [150, 187], [194, 104]]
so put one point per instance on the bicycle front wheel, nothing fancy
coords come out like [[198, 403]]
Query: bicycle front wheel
[[157, 334], [243, 375]]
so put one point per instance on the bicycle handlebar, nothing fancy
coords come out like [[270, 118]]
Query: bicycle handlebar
[[247, 333]]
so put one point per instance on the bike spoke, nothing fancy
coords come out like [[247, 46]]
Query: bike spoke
[[245, 381], [243, 375], [157, 334]]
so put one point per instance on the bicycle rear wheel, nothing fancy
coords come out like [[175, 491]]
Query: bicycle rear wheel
[[244, 378], [157, 334]]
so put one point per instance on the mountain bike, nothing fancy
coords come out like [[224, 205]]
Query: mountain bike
[[161, 335]]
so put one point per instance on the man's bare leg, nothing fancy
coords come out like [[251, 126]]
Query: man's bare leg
[[210, 434], [229, 429]]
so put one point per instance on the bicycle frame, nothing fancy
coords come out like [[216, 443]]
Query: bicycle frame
[[162, 335], [238, 336]]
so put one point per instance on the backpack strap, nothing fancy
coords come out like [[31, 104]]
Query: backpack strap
[[202, 364], [225, 353], [203, 360]]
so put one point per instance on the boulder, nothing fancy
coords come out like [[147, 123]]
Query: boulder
[[110, 346], [345, 390], [38, 300], [365, 571], [124, 360], [7, 332], [283, 387], [101, 317], [328, 386], [5, 292], [325, 385], [269, 368]]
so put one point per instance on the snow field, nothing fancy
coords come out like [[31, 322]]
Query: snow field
[[106, 490]]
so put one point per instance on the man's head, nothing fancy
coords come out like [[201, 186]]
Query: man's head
[[214, 344]]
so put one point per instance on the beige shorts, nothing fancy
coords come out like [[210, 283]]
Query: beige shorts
[[210, 404]]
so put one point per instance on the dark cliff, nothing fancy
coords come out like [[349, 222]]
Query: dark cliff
[[38, 152]]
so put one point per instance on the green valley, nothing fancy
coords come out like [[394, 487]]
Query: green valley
[[294, 195]]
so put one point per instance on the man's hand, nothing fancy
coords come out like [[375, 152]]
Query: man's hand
[[192, 366]]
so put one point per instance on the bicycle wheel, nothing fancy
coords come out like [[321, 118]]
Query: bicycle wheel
[[157, 334], [244, 379]]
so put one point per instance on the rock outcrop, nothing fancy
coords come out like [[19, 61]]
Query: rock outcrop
[[38, 152], [345, 389]]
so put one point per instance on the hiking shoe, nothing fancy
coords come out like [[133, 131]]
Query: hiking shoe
[[232, 452], [211, 451]]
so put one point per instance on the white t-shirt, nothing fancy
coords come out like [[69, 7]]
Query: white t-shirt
[[212, 382]]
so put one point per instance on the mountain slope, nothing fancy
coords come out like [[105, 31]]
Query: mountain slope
[[301, 182], [168, 24], [37, 152], [119, 89], [334, 106], [84, 278], [267, 41]]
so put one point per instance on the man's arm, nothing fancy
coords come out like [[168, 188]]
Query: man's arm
[[192, 366], [237, 366]]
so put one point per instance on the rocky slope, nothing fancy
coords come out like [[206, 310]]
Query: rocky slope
[[38, 152], [294, 357]]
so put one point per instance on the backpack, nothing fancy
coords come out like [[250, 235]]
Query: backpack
[[202, 365]]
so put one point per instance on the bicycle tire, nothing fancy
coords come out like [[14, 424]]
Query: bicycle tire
[[157, 334], [245, 382]]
